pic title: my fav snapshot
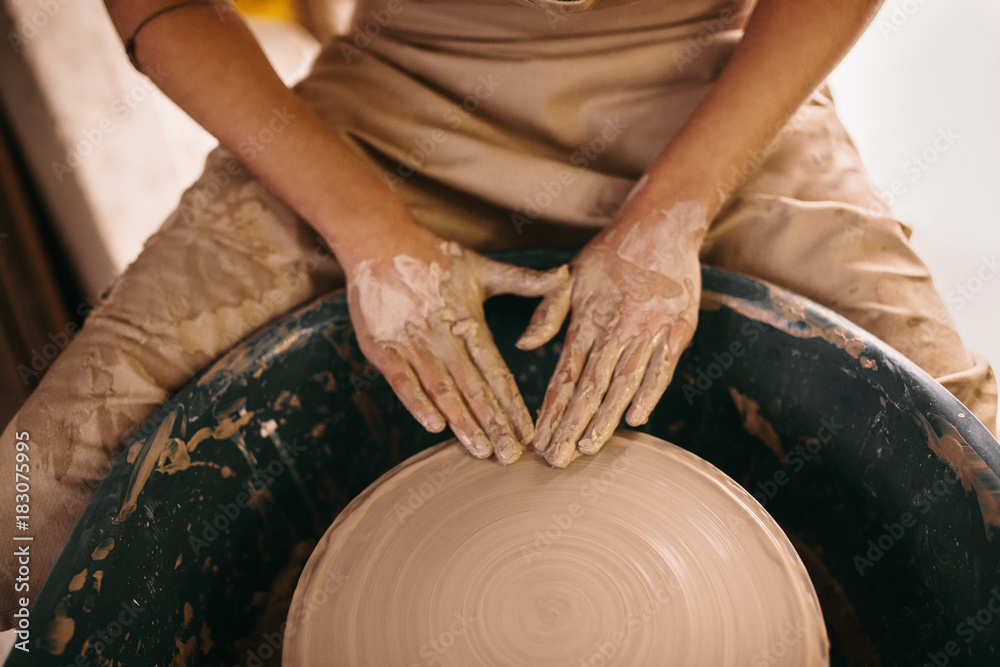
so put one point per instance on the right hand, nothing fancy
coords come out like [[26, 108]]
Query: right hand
[[418, 316]]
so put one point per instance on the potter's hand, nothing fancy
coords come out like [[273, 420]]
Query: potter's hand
[[634, 297], [419, 319]]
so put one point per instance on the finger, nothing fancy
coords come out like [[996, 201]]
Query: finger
[[484, 354], [479, 396], [628, 376], [400, 376], [579, 340], [659, 373], [438, 384], [547, 318], [590, 390], [502, 278]]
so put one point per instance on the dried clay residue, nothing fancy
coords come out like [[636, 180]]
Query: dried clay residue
[[103, 549], [788, 316], [77, 582], [165, 454], [285, 400], [971, 470], [59, 631], [755, 424], [205, 642], [253, 359], [185, 652]]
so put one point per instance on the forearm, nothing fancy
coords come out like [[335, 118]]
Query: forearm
[[789, 47], [206, 60]]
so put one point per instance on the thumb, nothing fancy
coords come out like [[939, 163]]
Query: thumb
[[548, 317], [501, 278]]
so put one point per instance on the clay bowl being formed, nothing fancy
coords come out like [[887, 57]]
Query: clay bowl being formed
[[886, 486]]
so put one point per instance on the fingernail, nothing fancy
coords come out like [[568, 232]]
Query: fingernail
[[482, 447], [559, 455], [527, 432], [508, 450], [543, 435], [524, 428], [513, 457], [586, 446], [525, 341], [434, 424], [635, 416]]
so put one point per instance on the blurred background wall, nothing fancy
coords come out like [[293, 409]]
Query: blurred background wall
[[920, 93]]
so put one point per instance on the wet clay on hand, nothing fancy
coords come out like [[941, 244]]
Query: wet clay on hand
[[421, 323], [634, 298]]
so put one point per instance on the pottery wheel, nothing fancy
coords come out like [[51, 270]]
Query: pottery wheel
[[642, 555]]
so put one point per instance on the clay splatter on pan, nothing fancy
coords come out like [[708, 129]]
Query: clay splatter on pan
[[148, 458], [755, 424], [102, 550], [169, 455], [870, 364], [76, 583], [785, 315], [58, 631], [327, 379], [970, 468], [185, 652], [285, 400]]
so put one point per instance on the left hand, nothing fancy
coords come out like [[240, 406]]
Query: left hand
[[634, 295]]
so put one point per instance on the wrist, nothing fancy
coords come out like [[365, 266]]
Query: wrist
[[359, 238], [658, 212]]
